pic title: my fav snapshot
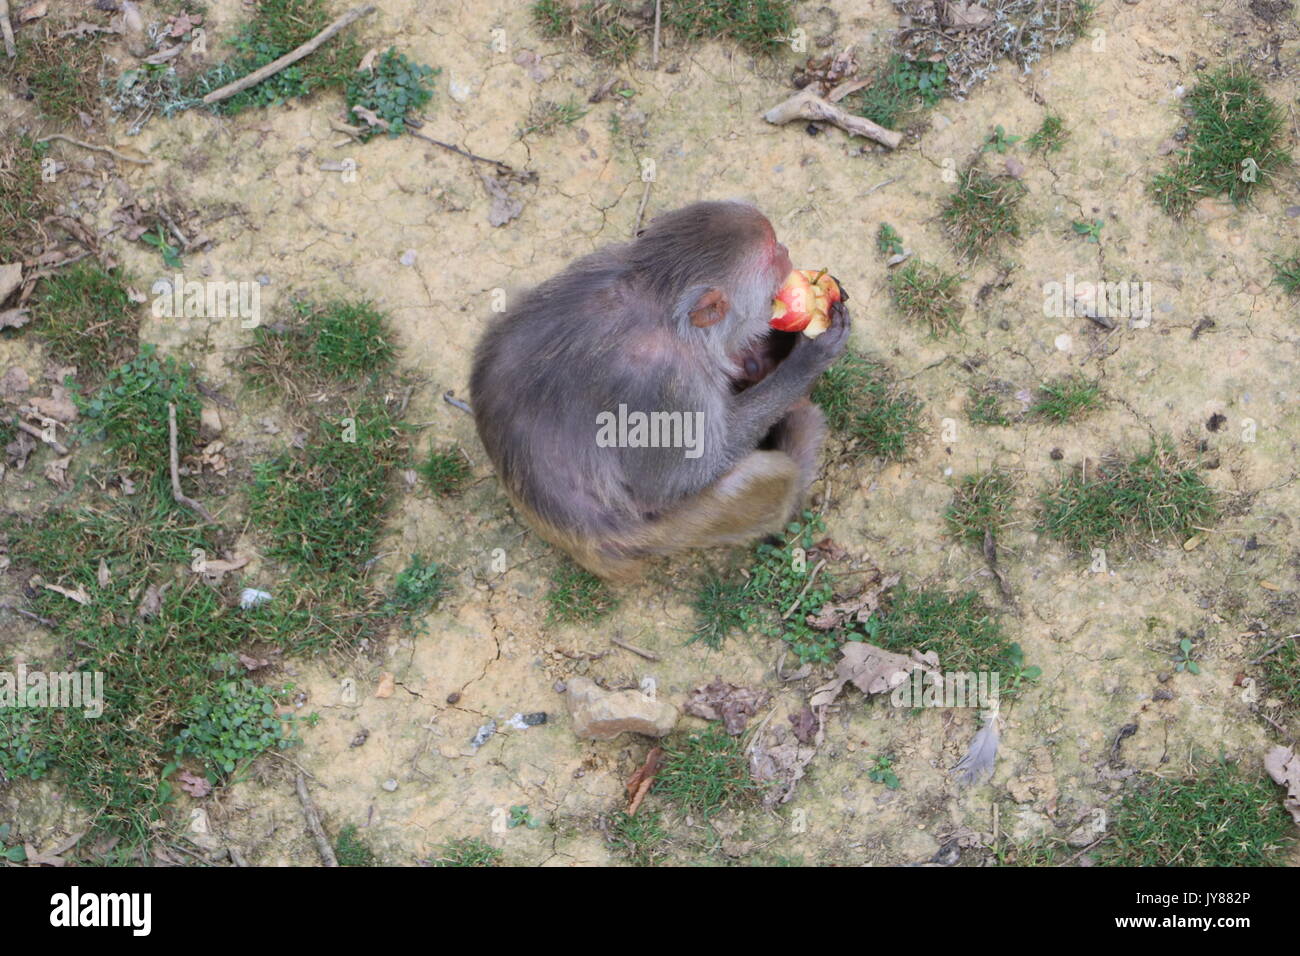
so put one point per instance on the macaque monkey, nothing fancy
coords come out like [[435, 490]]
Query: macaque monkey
[[639, 404]]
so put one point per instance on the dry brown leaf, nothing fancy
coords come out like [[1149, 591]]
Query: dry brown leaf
[[151, 603], [14, 318], [56, 471], [79, 595], [726, 702], [858, 608], [103, 577], [27, 15], [1283, 766], [194, 785], [872, 670], [11, 277]]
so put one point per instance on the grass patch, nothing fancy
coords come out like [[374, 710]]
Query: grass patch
[[86, 318], [703, 773], [1152, 495], [986, 406], [925, 293], [417, 589], [547, 116], [982, 214], [756, 25], [900, 87], [351, 850], [131, 411], [468, 851], [960, 628], [323, 344], [1286, 273], [445, 472], [981, 506], [1281, 672], [612, 29], [888, 241], [1234, 142], [1065, 398], [277, 27], [604, 30], [1050, 135], [778, 575], [61, 73], [865, 408], [1224, 816], [577, 596], [641, 839], [322, 507], [23, 203]]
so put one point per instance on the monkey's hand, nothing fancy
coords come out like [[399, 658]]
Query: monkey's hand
[[816, 355]]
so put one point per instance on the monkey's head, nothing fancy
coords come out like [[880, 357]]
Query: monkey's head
[[717, 265]]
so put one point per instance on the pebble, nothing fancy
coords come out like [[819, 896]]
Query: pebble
[[408, 257], [390, 785]]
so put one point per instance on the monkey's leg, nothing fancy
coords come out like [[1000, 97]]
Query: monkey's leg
[[800, 435]]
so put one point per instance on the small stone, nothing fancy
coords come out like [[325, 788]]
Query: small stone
[[1015, 168], [209, 423], [1163, 676], [453, 697], [1056, 454], [1163, 693], [408, 258], [484, 732], [390, 784], [1293, 211], [600, 714]]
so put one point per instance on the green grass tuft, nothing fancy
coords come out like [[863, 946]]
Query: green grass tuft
[[960, 628], [1050, 135], [982, 214], [86, 318], [1286, 273], [925, 293], [1224, 816], [981, 505], [445, 472], [1066, 398], [901, 87], [391, 89], [577, 596], [703, 773], [1151, 496], [330, 343], [468, 851], [640, 839], [866, 410], [351, 850]]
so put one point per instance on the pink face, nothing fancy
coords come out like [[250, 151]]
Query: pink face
[[779, 256]]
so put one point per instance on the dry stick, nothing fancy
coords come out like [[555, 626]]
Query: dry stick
[[807, 105], [7, 29], [450, 398], [99, 149], [313, 823], [1289, 637], [180, 496], [35, 432], [290, 58], [35, 617], [799, 600], [640, 209], [658, 12], [648, 655], [501, 167]]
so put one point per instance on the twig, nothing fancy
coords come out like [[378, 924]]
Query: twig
[[654, 60], [98, 149], [640, 209], [808, 105], [1083, 851], [799, 600], [1289, 637], [313, 821], [450, 398], [35, 617], [35, 432], [648, 655], [180, 496], [7, 29], [505, 168], [290, 58]]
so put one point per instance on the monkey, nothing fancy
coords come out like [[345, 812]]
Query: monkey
[[670, 329]]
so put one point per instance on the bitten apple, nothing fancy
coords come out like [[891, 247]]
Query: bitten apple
[[803, 303]]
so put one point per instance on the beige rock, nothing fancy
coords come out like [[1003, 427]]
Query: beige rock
[[602, 715], [209, 423]]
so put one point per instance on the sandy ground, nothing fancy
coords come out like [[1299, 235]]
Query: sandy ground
[[1101, 638]]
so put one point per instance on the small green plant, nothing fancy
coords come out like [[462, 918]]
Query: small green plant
[[1151, 496], [888, 241], [467, 851], [86, 318], [902, 86], [1050, 135], [233, 723], [982, 213], [157, 238], [25, 750], [392, 89], [577, 596], [702, 773], [131, 410], [999, 141], [1286, 273], [445, 472], [1234, 142], [417, 589], [1223, 816], [639, 839], [882, 771], [547, 116], [351, 850], [10, 854], [1065, 398], [1183, 657], [981, 506], [1020, 674], [1090, 230], [866, 409], [520, 817], [985, 407], [925, 293]]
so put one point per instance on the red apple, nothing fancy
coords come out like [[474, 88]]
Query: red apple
[[803, 303]]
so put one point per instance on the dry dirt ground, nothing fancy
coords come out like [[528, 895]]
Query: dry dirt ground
[[1100, 638]]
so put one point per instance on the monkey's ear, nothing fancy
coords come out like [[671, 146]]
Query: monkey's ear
[[711, 309]]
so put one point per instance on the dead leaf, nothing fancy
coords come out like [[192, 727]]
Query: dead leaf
[[27, 15], [57, 405], [219, 569], [11, 277], [151, 603], [13, 383], [368, 61], [726, 702], [780, 760], [505, 206], [1283, 766], [387, 684], [194, 785], [79, 595], [104, 577], [253, 663], [872, 670], [13, 318], [967, 16], [56, 471], [858, 608], [638, 784], [805, 725]]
